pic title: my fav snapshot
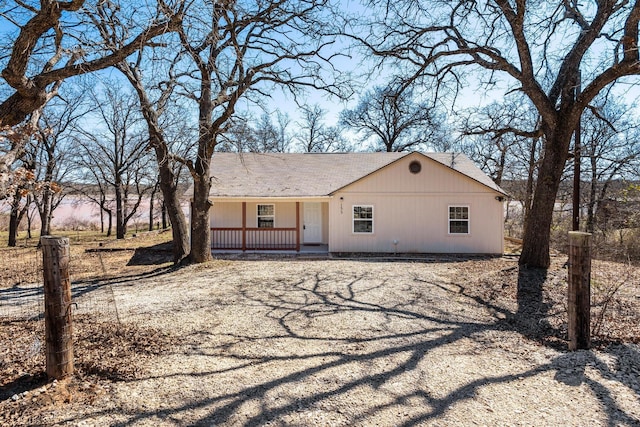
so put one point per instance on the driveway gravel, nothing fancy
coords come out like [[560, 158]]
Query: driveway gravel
[[333, 342]]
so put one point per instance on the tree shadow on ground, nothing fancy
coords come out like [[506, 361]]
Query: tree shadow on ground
[[530, 319], [24, 383], [385, 340], [80, 288], [152, 255]]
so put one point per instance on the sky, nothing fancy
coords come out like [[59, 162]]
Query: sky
[[470, 96]]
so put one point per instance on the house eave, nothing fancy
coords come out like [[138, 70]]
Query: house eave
[[227, 199]]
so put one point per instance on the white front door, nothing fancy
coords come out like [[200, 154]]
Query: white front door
[[312, 223]]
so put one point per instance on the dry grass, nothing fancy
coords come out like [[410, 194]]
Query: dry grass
[[104, 353], [26, 259], [615, 298]]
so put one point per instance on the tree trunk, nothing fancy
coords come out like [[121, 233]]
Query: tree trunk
[[15, 216], [151, 197], [530, 180], [200, 231], [179, 229], [164, 215], [109, 222], [120, 231], [151, 212], [28, 217], [101, 220], [171, 204], [500, 168], [45, 213], [171, 207], [13, 230], [536, 239], [591, 206]]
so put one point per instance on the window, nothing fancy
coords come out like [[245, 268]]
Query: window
[[266, 216], [363, 219], [458, 219]]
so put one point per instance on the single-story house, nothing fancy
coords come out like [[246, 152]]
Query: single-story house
[[354, 202]]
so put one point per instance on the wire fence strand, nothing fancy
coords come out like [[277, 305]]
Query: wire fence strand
[[22, 300]]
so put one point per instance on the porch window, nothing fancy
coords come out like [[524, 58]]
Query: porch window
[[363, 219], [266, 216], [458, 219]]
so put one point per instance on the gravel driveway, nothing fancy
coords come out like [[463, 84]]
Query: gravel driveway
[[344, 343]]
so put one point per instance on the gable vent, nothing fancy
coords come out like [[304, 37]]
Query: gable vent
[[415, 167]]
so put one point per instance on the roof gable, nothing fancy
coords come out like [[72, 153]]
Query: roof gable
[[245, 175], [448, 165]]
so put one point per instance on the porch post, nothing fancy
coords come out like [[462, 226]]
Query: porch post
[[244, 226], [297, 226]]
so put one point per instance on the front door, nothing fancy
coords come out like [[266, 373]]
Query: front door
[[312, 222]]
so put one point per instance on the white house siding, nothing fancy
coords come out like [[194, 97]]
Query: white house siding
[[228, 214], [225, 214], [325, 223], [413, 209]]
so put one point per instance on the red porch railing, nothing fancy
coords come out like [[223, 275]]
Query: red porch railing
[[255, 238]]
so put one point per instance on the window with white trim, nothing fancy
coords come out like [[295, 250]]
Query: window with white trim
[[458, 219], [363, 219], [266, 216]]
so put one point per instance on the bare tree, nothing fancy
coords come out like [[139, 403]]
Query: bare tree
[[51, 154], [13, 140], [160, 113], [17, 183], [115, 153], [266, 135], [263, 137], [314, 136], [239, 137], [395, 120], [610, 151], [20, 202], [283, 135], [272, 137], [88, 182], [53, 40], [239, 51], [540, 48], [56, 40], [490, 136]]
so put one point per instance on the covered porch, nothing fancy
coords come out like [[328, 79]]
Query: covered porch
[[269, 225]]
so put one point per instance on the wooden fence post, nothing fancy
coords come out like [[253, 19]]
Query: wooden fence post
[[579, 298], [57, 306]]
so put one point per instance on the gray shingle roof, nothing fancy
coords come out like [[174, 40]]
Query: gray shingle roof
[[312, 175]]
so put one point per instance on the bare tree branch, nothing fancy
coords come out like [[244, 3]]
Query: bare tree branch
[[31, 91]]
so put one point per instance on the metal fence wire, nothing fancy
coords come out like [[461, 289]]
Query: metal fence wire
[[22, 304]]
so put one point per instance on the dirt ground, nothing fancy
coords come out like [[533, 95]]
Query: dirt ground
[[328, 342]]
